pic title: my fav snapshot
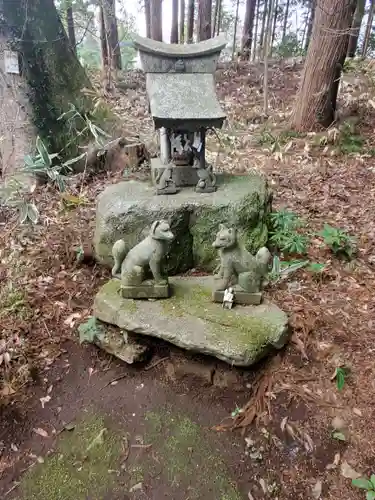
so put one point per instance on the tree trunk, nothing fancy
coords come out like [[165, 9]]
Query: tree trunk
[[286, 16], [219, 16], [204, 19], [148, 18], [156, 20], [54, 76], [110, 22], [70, 25], [262, 31], [274, 26], [103, 39], [367, 36], [268, 35], [190, 21], [317, 96], [182, 22], [255, 40], [235, 31], [311, 22], [247, 34], [215, 18], [356, 28], [174, 27]]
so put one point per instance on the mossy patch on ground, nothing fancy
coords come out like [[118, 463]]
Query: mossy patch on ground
[[186, 458], [80, 468]]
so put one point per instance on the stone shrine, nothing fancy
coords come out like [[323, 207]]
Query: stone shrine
[[181, 90], [150, 240]]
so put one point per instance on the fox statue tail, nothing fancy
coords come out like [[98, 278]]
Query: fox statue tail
[[118, 254]]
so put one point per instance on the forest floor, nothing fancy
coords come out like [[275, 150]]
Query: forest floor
[[77, 424]]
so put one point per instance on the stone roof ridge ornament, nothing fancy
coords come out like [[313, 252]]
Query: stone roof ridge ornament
[[200, 49]]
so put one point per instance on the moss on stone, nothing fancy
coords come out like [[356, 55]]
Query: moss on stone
[[187, 458], [196, 301], [79, 468]]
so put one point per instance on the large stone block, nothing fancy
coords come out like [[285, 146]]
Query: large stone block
[[189, 319], [126, 210]]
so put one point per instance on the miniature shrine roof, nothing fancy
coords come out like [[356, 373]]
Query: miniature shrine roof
[[185, 100], [205, 48]]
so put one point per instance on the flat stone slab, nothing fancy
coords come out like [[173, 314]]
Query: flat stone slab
[[240, 297], [189, 319], [145, 291]]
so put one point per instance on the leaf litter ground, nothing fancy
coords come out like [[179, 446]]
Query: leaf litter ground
[[290, 405]]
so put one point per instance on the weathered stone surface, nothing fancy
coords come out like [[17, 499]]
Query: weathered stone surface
[[126, 211], [190, 97], [159, 57], [119, 344], [189, 319], [240, 297], [145, 291]]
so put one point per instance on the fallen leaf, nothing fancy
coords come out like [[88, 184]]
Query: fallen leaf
[[7, 390], [263, 484], [339, 436], [13, 447], [45, 400], [99, 439], [317, 490], [69, 427], [283, 423], [357, 412], [41, 432], [348, 471], [335, 463], [70, 320], [250, 496]]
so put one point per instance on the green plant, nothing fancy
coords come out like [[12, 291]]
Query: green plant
[[316, 267], [281, 270], [349, 140], [284, 233], [341, 373], [366, 484], [338, 241], [13, 195], [91, 330]]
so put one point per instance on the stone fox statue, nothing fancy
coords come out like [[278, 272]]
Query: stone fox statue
[[237, 265], [149, 251]]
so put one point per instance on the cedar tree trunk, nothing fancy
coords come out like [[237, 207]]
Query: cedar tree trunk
[[204, 19], [70, 25], [112, 33], [103, 39], [190, 21], [156, 20], [247, 33], [316, 99], [356, 28], [311, 22], [54, 76], [262, 31], [182, 22], [174, 27], [255, 40], [286, 16], [219, 16], [274, 26], [148, 18], [235, 31], [366, 38]]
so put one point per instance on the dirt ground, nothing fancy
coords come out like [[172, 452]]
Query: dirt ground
[[172, 427]]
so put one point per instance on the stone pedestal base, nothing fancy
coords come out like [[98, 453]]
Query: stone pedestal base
[[145, 291], [240, 297], [183, 175], [210, 189]]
